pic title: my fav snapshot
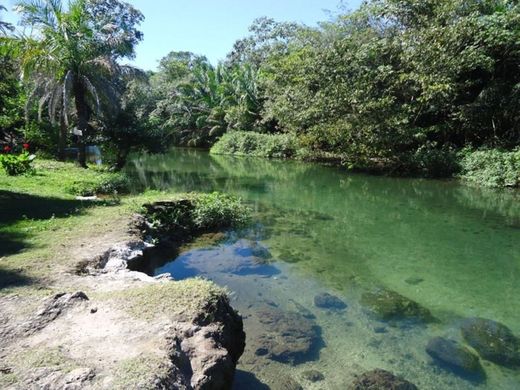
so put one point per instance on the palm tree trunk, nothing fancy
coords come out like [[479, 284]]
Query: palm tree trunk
[[63, 139], [83, 117]]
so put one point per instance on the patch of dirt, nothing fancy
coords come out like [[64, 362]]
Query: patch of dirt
[[80, 333]]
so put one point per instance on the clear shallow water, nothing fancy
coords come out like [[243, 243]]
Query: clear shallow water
[[330, 231]]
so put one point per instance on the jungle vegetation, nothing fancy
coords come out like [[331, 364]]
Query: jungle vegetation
[[409, 87]]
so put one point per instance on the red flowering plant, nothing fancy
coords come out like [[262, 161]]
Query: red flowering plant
[[17, 164]]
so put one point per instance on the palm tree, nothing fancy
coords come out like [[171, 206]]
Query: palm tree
[[4, 26], [72, 63]]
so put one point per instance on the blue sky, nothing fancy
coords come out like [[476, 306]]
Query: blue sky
[[210, 27]]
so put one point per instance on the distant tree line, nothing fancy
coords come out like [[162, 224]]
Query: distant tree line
[[396, 85]]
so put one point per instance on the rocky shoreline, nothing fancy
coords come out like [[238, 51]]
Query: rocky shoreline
[[109, 327]]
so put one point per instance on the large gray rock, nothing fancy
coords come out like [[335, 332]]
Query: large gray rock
[[492, 340], [288, 336], [204, 354], [381, 380], [452, 354], [389, 305]]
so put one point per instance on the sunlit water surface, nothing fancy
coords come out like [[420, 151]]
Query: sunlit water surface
[[452, 248]]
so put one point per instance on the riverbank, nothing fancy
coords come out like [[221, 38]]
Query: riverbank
[[491, 168], [63, 325]]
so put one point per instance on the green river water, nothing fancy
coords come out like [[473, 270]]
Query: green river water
[[453, 249]]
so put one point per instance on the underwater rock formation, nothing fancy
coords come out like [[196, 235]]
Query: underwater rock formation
[[389, 305], [492, 340], [289, 336], [328, 301], [381, 380], [452, 354], [313, 375], [286, 383]]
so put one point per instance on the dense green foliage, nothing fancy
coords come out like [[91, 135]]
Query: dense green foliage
[[198, 102], [396, 85], [16, 164], [196, 213], [216, 210], [12, 98], [394, 77], [399, 86], [248, 143], [491, 168]]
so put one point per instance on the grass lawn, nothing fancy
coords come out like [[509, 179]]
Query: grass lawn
[[40, 215]]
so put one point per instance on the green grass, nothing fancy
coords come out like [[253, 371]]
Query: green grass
[[182, 299], [139, 372], [55, 179], [39, 217], [42, 223], [40, 220]]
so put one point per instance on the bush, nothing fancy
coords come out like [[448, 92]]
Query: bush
[[17, 164], [217, 210], [247, 143], [491, 168], [430, 161], [195, 213], [103, 184]]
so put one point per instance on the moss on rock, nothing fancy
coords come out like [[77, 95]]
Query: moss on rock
[[390, 305]]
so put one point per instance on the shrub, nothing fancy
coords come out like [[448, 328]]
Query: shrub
[[430, 161], [247, 143], [217, 210], [491, 168], [17, 164], [195, 213], [103, 184]]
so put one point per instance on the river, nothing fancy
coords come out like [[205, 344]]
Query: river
[[453, 249]]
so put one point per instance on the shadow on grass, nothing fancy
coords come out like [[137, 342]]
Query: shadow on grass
[[16, 207], [9, 279]]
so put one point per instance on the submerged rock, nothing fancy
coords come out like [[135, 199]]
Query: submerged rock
[[313, 375], [381, 380], [389, 305], [303, 310], [492, 340], [248, 248], [289, 336], [286, 383], [453, 355], [328, 301], [414, 280]]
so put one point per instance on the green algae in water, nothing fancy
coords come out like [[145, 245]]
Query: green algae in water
[[455, 250]]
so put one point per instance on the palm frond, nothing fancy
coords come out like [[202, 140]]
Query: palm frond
[[93, 92]]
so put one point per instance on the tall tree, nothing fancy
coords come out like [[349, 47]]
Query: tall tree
[[72, 61]]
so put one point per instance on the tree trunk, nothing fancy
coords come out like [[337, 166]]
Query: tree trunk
[[82, 112], [63, 139], [122, 155]]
